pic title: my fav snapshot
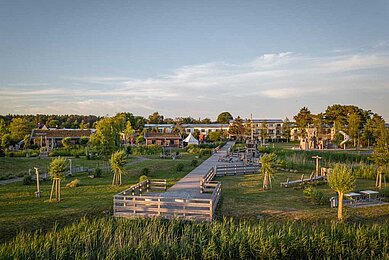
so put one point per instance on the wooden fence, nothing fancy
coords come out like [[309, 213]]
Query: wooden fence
[[128, 205], [224, 170]]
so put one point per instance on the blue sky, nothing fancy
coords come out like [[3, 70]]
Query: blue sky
[[195, 58]]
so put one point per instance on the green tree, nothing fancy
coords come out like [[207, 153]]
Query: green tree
[[368, 132], [380, 154], [57, 171], [237, 128], [117, 162], [286, 127], [6, 141], [341, 180], [53, 123], [19, 128], [354, 125], [215, 136], [84, 125], [3, 127], [139, 140], [26, 141], [106, 139], [267, 170], [155, 118], [303, 119], [129, 132], [66, 142], [264, 133], [224, 118]]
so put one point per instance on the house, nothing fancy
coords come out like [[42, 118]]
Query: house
[[52, 137], [163, 139], [274, 127], [204, 129]]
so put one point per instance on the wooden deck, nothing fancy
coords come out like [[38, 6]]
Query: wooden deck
[[183, 200]]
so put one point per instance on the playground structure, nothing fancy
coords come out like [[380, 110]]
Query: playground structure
[[319, 141]]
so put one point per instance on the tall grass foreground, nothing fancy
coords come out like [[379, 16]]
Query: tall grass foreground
[[226, 239]]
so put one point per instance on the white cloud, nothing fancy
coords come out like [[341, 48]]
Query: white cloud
[[271, 77]]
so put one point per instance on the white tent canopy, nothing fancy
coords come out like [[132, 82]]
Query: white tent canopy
[[191, 140]]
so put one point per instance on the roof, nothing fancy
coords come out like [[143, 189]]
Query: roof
[[159, 125], [61, 133], [263, 120], [153, 135], [205, 125]]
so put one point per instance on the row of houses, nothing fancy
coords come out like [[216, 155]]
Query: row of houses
[[161, 134]]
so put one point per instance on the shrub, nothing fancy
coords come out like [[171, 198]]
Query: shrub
[[180, 167], [27, 180], [316, 196], [145, 171], [146, 150], [194, 163], [73, 183], [16, 154], [98, 173], [143, 178]]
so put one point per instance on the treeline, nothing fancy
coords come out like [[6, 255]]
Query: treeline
[[363, 126]]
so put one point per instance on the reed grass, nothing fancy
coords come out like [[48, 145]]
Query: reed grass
[[108, 238]]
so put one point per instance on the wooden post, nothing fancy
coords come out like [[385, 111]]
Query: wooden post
[[317, 164], [211, 210], [134, 204], [159, 206], [38, 190]]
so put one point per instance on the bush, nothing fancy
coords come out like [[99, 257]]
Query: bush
[[146, 150], [73, 183], [194, 163], [145, 171], [143, 178], [315, 196], [180, 167], [16, 154], [98, 173], [67, 152], [27, 180]]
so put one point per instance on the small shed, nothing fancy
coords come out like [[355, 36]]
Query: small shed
[[163, 139], [190, 139]]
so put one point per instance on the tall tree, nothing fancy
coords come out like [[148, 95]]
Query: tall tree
[[117, 162], [224, 118], [380, 154], [354, 125], [341, 180], [57, 171], [84, 125], [155, 118], [129, 133], [303, 119], [286, 129], [268, 165], [237, 128], [264, 132], [19, 128]]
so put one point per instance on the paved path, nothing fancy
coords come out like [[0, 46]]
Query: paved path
[[189, 186]]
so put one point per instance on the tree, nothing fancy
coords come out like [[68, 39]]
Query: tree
[[215, 136], [117, 162], [264, 134], [53, 123], [26, 141], [380, 154], [84, 125], [206, 121], [224, 118], [341, 180], [139, 140], [237, 128], [303, 119], [129, 132], [354, 124], [19, 128], [155, 118], [106, 139], [57, 171], [66, 142], [268, 165], [286, 129], [6, 141], [3, 127]]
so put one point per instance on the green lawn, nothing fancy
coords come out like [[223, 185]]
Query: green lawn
[[242, 197], [20, 210], [18, 167]]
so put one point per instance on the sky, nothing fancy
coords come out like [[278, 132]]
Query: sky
[[193, 58]]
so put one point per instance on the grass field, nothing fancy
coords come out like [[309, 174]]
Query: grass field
[[242, 197], [18, 167], [20, 210]]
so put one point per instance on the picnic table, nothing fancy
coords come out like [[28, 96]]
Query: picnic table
[[353, 197], [370, 194]]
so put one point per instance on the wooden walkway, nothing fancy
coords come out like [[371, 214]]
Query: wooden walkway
[[188, 186]]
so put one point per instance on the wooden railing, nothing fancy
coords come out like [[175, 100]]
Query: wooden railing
[[224, 170], [145, 186], [206, 183]]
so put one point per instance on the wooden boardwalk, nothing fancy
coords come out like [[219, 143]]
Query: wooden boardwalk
[[188, 186]]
